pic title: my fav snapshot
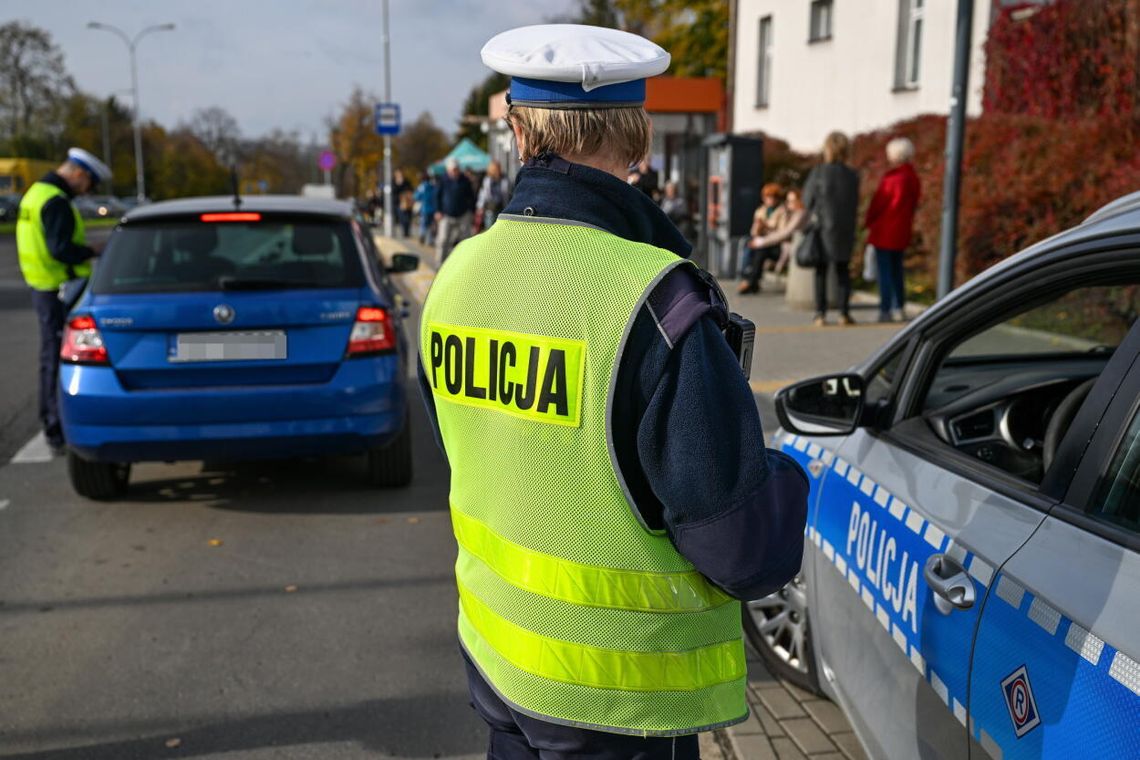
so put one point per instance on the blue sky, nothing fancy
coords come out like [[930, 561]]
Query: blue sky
[[282, 63]]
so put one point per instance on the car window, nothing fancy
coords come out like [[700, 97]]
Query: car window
[[1118, 496], [882, 382], [200, 256], [1085, 319], [1006, 393]]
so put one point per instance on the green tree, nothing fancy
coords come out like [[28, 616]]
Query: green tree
[[34, 86], [419, 144], [475, 108]]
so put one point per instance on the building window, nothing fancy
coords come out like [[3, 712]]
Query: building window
[[820, 21], [909, 65], [764, 69]]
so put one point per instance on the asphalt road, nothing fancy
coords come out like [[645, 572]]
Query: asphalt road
[[276, 610], [19, 351]]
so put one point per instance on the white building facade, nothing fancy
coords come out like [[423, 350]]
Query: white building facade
[[803, 68]]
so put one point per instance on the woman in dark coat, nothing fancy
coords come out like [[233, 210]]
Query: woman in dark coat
[[831, 197]]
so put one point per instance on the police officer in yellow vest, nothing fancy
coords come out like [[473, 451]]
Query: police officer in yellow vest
[[611, 495], [53, 249]]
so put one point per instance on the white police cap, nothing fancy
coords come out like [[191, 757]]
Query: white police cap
[[98, 170], [574, 66]]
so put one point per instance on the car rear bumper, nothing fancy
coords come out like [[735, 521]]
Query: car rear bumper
[[362, 406]]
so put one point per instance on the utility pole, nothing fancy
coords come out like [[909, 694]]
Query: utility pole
[[955, 136], [140, 181], [388, 227]]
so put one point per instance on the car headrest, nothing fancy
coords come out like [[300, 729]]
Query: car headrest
[[201, 239], [312, 240]]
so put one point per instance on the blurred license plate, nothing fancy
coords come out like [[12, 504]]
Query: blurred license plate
[[229, 346]]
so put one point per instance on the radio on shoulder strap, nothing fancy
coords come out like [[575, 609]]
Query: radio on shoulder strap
[[739, 331]]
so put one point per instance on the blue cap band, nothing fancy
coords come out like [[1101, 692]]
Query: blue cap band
[[94, 175], [540, 93]]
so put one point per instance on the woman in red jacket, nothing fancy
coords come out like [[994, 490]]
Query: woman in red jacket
[[890, 219]]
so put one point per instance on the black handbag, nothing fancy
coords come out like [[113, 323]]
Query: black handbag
[[809, 253]]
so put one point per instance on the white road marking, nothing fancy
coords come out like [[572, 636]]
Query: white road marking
[[4, 503], [35, 451]]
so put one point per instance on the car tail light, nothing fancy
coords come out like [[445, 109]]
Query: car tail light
[[82, 343], [232, 216], [372, 333]]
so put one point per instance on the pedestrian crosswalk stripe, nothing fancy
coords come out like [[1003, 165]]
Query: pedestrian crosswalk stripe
[[35, 451]]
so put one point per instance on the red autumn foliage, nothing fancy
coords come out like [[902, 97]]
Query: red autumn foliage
[[1070, 59], [1024, 179], [1059, 136]]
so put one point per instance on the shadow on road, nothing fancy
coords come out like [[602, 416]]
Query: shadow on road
[[328, 485], [378, 726]]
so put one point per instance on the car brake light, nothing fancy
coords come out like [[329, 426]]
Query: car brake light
[[372, 332], [232, 216], [82, 343]]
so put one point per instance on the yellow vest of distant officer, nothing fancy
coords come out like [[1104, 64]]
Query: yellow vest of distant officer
[[42, 271], [570, 607]]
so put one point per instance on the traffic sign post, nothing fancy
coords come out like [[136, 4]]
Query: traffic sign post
[[326, 162], [387, 116]]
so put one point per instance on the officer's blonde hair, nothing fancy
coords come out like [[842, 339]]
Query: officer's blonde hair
[[624, 134]]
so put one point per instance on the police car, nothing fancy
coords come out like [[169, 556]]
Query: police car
[[971, 586]]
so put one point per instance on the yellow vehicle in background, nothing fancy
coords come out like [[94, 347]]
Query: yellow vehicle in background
[[17, 174]]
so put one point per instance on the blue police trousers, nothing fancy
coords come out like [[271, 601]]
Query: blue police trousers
[[515, 736], [49, 313]]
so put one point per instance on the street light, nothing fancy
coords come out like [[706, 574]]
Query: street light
[[140, 182]]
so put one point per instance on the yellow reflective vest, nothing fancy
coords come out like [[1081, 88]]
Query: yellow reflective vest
[[570, 607], [42, 271]]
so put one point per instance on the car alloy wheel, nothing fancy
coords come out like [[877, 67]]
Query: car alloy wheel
[[777, 626]]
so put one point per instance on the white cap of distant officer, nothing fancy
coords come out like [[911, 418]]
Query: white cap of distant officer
[[578, 91], [82, 165]]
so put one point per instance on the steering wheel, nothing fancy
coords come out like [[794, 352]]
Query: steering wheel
[[1062, 418]]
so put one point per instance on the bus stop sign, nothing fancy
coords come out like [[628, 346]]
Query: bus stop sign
[[387, 119]]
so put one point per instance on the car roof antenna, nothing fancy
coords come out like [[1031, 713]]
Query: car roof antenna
[[236, 186]]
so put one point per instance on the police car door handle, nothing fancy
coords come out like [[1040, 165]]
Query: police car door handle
[[950, 584]]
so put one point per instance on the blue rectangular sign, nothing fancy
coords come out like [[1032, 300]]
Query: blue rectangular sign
[[387, 119]]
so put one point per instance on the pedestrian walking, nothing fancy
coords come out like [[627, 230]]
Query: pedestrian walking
[[52, 249], [402, 200], [890, 224], [831, 197], [494, 194], [425, 205], [610, 489], [770, 215], [455, 209]]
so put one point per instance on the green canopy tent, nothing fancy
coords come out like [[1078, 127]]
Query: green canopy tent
[[468, 154]]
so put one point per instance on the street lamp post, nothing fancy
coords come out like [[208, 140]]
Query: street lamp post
[[388, 205], [132, 43]]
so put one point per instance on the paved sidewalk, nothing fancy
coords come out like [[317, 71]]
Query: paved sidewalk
[[787, 723]]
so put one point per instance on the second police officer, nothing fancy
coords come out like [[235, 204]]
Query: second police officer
[[611, 493]]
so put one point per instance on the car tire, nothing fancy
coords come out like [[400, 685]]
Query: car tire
[[778, 627], [391, 466], [99, 481]]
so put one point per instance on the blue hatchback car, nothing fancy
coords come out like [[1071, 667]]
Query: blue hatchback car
[[218, 331]]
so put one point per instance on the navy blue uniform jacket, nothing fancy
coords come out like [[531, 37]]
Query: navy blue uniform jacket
[[686, 430]]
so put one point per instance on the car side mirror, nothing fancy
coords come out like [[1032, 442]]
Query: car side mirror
[[404, 262], [829, 405]]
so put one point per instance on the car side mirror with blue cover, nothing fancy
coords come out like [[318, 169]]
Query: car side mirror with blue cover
[[828, 405], [403, 262]]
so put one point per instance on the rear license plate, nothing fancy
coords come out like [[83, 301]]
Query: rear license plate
[[229, 346]]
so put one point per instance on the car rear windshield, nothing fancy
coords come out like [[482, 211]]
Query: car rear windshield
[[191, 255]]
